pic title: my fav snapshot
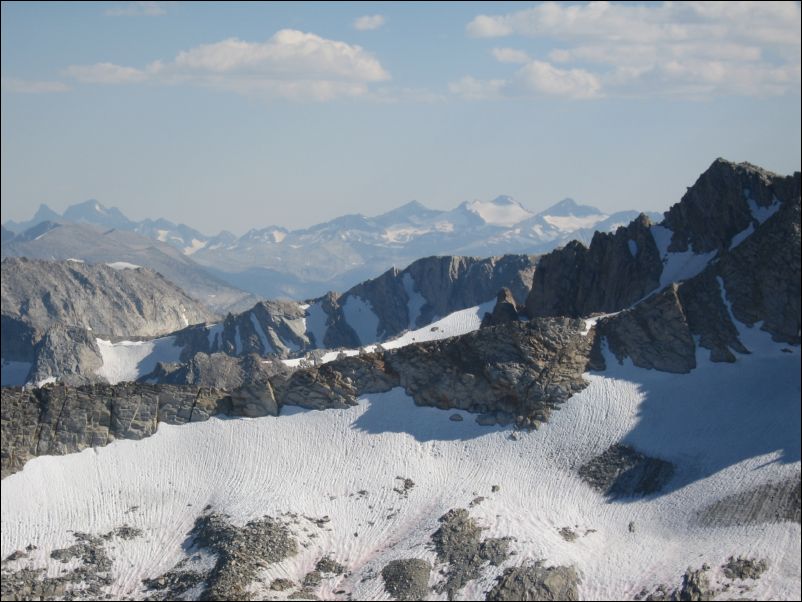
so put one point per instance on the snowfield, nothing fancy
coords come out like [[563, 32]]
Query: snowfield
[[128, 360], [726, 427]]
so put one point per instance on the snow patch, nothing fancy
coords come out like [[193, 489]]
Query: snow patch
[[415, 302], [266, 346], [760, 213], [678, 266], [633, 247], [237, 341], [123, 265], [316, 323], [195, 246], [214, 332], [74, 260], [741, 236], [360, 316], [128, 360]]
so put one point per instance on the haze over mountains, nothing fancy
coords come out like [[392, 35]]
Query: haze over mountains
[[273, 262]]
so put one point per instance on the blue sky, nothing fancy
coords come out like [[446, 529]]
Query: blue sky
[[242, 115]]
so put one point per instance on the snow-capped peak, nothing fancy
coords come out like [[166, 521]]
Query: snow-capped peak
[[501, 211]]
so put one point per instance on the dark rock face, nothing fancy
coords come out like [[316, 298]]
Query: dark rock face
[[503, 312], [762, 274], [715, 208], [458, 543], [605, 277], [407, 579], [760, 278], [536, 582], [621, 471]]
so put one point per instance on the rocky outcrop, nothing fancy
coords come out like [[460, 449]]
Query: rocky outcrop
[[407, 579], [218, 370], [612, 273], [68, 353], [653, 334], [37, 295], [536, 582], [61, 420], [503, 312], [459, 545], [523, 369], [621, 472]]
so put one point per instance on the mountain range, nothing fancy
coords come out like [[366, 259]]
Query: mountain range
[[620, 421], [273, 262]]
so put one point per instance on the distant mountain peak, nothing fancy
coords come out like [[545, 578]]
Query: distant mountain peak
[[569, 206], [501, 211]]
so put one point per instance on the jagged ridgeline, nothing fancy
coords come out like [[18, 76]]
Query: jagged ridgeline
[[729, 250]]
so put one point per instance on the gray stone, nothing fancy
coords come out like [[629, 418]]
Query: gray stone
[[407, 579], [458, 543], [536, 582], [621, 472]]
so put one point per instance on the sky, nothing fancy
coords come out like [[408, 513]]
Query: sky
[[239, 115]]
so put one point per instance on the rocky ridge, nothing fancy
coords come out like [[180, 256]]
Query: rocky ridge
[[97, 300]]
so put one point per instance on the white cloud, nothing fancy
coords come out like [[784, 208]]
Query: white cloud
[[369, 22], [291, 64], [26, 86], [546, 79], [510, 55], [137, 9], [105, 73], [535, 79], [743, 48]]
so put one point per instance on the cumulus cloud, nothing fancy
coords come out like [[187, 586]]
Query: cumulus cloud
[[137, 9], [546, 79], [291, 64], [27, 86], [369, 22], [708, 48]]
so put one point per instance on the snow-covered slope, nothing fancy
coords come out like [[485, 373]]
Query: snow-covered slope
[[455, 324], [727, 428]]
